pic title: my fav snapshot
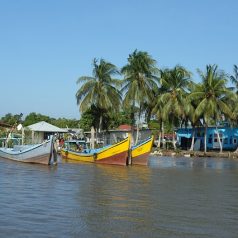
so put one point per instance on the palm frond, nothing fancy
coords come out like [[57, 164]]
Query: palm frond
[[85, 79]]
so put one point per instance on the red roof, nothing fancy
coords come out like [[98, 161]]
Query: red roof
[[168, 135], [125, 127]]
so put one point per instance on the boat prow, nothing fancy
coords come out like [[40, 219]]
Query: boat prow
[[116, 154], [140, 152], [40, 153]]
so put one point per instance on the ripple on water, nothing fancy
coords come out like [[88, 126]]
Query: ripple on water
[[172, 197]]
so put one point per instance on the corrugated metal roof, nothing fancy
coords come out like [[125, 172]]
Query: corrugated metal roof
[[45, 127]]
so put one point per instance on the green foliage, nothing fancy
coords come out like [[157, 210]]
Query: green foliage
[[211, 95], [99, 90], [33, 118], [110, 120], [64, 123], [12, 119], [168, 95], [140, 80], [3, 134], [119, 118], [87, 120], [99, 93], [234, 78], [92, 118], [171, 102], [154, 124]]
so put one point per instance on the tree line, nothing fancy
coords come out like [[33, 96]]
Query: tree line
[[33, 117], [88, 119], [170, 96]]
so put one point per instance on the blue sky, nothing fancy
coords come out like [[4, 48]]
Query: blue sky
[[46, 45]]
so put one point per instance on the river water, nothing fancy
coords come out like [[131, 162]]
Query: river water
[[172, 197]]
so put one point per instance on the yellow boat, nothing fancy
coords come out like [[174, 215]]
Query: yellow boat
[[112, 154], [140, 152]]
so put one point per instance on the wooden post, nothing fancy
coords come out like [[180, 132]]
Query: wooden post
[[32, 136], [92, 137], [22, 136]]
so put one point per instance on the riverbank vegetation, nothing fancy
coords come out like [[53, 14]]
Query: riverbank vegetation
[[169, 96]]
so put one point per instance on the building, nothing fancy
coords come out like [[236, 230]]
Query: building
[[42, 130], [228, 137]]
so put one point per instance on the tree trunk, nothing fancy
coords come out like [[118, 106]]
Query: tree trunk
[[193, 137], [162, 134], [173, 140], [132, 136], [148, 116], [92, 144], [100, 124], [174, 143], [205, 139], [159, 141], [219, 140], [132, 116], [137, 127], [137, 132]]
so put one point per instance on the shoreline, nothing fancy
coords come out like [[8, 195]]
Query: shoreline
[[185, 153]]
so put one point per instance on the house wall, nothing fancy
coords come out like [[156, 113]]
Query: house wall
[[39, 137], [228, 136]]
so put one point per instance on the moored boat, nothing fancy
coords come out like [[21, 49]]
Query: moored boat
[[40, 153], [116, 154], [140, 152]]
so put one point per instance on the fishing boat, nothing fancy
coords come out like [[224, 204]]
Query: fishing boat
[[140, 152], [116, 154], [39, 153]]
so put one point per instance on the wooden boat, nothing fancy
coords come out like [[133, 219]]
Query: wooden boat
[[116, 154], [140, 152], [40, 153]]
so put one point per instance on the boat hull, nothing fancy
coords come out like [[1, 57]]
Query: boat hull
[[117, 159], [140, 153], [71, 155], [40, 154], [40, 159], [116, 154]]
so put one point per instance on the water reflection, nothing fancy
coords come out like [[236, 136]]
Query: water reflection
[[192, 162], [172, 197], [112, 197]]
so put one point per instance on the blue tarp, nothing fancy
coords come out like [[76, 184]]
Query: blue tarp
[[186, 135]]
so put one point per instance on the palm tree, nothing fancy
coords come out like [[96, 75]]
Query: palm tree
[[234, 78], [158, 112], [148, 106], [190, 112], [99, 91], [212, 96], [140, 79], [172, 100]]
